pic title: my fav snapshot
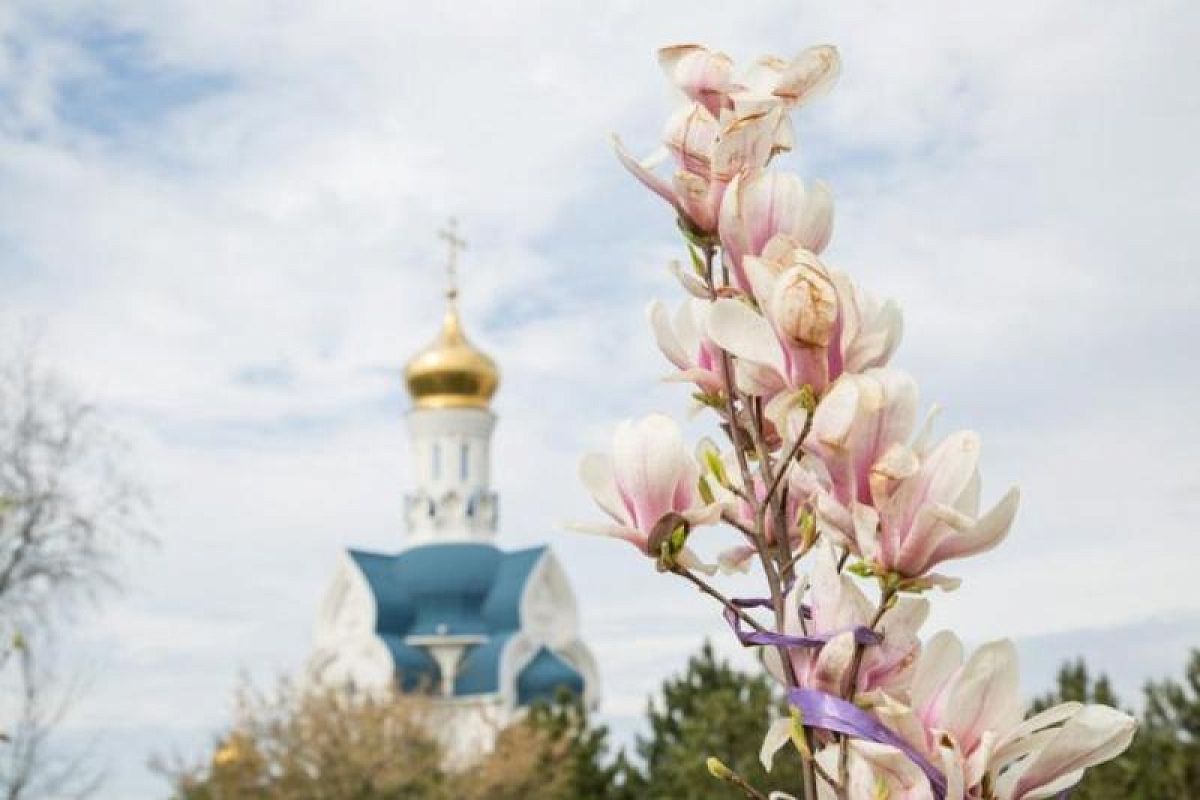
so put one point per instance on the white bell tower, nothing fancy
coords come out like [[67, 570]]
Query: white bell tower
[[451, 383]]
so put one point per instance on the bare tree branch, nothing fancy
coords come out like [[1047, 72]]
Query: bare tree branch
[[67, 510]]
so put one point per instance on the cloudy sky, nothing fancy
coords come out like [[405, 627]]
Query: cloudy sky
[[218, 218]]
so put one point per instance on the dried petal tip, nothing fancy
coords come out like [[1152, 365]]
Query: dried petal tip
[[809, 75]]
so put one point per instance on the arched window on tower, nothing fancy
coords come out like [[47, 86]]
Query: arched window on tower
[[463, 464]]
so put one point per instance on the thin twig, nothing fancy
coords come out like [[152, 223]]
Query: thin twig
[[825, 776], [850, 687], [791, 456], [744, 785], [769, 567], [709, 590], [730, 519]]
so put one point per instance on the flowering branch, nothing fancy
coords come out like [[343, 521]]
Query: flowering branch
[[827, 481]]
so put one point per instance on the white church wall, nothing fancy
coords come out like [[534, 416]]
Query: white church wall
[[345, 647]]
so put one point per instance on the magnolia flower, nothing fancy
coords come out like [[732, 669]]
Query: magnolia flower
[[759, 205], [681, 339], [925, 509], [772, 79], [859, 437], [813, 324], [875, 771], [969, 718], [707, 78], [837, 606], [704, 76], [708, 151], [728, 127], [648, 477]]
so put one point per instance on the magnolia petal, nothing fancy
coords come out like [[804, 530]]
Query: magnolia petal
[[975, 766], [1093, 735], [987, 694], [688, 559], [940, 659], [932, 524], [947, 583], [634, 537], [779, 733], [866, 532], [950, 467], [736, 560], [756, 380], [897, 463], [651, 467], [900, 718], [834, 418], [952, 768], [1010, 747], [787, 413], [596, 474], [814, 224], [810, 74], [705, 515], [597, 528], [689, 280], [651, 181], [670, 56], [773, 664], [698, 199], [687, 328], [833, 663], [837, 523], [760, 277], [664, 335], [702, 75], [986, 533], [740, 330]]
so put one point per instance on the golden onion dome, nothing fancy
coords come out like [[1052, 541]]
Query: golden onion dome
[[451, 372], [234, 749]]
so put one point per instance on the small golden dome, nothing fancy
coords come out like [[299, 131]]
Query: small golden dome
[[451, 372], [234, 749]]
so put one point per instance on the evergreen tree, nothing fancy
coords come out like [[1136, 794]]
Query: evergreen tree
[[572, 751], [711, 709], [1171, 734]]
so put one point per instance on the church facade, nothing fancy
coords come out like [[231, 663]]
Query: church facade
[[488, 631]]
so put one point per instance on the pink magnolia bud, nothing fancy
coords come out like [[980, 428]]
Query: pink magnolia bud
[[804, 305]]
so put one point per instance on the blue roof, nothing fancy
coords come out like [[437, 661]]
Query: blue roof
[[543, 677], [459, 588]]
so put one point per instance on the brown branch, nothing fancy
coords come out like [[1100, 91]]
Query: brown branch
[[708, 589], [850, 687]]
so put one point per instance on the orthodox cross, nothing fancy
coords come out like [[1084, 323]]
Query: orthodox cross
[[449, 235]]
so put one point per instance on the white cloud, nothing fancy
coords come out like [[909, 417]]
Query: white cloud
[[239, 274]]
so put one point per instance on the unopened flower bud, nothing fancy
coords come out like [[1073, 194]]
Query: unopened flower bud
[[717, 769], [804, 304]]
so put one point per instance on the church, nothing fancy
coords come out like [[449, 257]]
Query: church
[[487, 631]]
